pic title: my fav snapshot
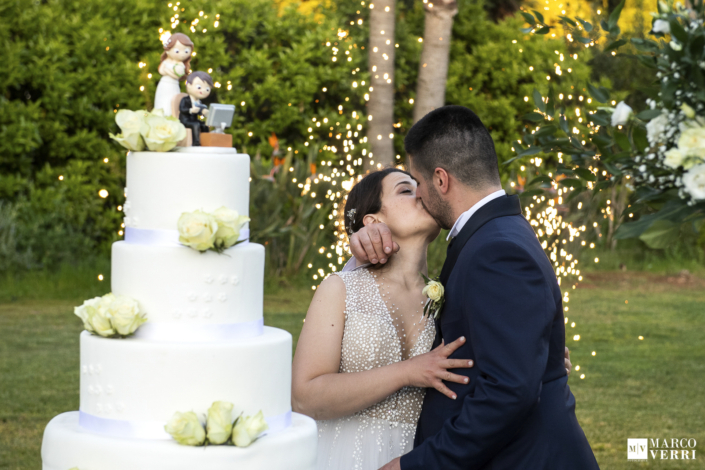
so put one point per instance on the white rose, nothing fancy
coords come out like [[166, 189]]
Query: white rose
[[675, 46], [692, 143], [688, 111], [133, 127], [433, 290], [84, 311], [694, 182], [656, 127], [99, 317], [621, 114], [197, 230], [229, 225], [247, 428], [219, 423], [186, 429], [164, 133], [674, 158], [125, 315], [661, 26]]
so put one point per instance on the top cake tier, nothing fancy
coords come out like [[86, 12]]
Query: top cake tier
[[163, 185]]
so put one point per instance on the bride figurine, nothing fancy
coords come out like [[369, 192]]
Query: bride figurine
[[174, 67]]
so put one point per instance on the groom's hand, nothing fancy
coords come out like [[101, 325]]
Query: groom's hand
[[568, 365], [373, 243], [393, 465]]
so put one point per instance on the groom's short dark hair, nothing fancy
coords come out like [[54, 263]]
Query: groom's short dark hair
[[454, 138]]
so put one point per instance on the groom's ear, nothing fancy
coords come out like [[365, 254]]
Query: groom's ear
[[441, 180]]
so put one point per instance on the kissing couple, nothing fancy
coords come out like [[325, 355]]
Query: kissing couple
[[481, 383]]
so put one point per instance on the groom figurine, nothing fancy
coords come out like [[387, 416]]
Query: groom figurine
[[517, 413], [198, 87]]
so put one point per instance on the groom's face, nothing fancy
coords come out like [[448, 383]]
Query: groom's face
[[431, 199]]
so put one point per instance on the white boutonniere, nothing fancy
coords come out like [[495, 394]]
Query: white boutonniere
[[435, 292]]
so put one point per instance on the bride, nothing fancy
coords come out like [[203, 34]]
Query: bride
[[363, 359]]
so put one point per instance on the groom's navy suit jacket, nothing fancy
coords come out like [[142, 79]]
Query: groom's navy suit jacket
[[517, 413]]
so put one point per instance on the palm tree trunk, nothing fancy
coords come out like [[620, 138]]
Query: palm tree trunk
[[380, 107], [433, 68]]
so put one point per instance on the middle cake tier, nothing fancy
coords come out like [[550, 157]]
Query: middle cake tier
[[132, 387], [192, 296]]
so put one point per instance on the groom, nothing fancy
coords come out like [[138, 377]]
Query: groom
[[501, 293]]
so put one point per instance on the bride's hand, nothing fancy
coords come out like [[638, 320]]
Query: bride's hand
[[431, 369], [373, 243]]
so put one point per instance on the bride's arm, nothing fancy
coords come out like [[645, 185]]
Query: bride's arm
[[319, 391]]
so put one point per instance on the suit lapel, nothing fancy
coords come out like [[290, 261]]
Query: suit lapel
[[500, 207]]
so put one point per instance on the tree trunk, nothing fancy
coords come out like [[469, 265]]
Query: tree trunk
[[380, 107], [433, 68]]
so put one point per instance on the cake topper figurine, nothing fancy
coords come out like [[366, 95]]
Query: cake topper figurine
[[198, 87], [174, 67]]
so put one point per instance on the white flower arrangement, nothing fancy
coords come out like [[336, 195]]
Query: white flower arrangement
[[187, 429], [110, 315], [675, 155], [150, 130], [215, 231]]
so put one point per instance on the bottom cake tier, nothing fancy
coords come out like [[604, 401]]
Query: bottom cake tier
[[66, 445]]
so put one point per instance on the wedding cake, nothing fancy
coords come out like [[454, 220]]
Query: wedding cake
[[204, 340]]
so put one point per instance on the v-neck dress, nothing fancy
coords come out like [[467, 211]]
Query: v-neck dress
[[372, 437]]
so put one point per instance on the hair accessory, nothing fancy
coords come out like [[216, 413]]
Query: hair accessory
[[351, 216]]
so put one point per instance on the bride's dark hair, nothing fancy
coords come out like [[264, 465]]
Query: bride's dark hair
[[365, 198]]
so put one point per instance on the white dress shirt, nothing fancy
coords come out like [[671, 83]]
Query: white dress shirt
[[465, 216]]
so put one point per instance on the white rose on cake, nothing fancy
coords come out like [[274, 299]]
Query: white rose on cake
[[186, 429], [229, 225], [133, 127], [163, 133], [125, 315], [84, 311], [197, 230], [247, 428], [99, 317], [110, 315], [219, 423]]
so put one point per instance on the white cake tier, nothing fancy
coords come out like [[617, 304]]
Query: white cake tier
[[186, 293], [163, 185], [132, 387], [67, 445]]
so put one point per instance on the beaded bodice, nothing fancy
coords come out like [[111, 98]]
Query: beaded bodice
[[371, 339]]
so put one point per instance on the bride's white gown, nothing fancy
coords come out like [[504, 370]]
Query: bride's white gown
[[372, 437]]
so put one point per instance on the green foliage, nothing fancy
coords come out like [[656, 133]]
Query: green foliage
[[70, 65], [292, 222], [626, 155]]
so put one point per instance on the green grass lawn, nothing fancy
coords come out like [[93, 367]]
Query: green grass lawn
[[650, 388]]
